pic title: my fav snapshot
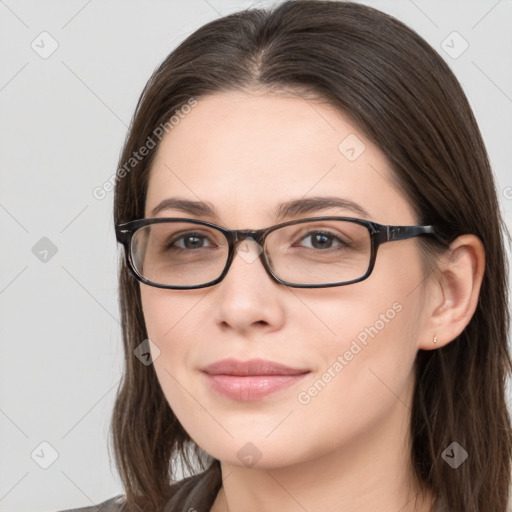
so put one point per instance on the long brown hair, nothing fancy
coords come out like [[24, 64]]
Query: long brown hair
[[403, 96]]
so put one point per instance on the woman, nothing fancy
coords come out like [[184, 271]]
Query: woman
[[313, 298]]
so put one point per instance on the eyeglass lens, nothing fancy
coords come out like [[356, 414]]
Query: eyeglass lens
[[313, 252]]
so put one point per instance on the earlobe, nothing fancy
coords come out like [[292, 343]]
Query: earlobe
[[455, 292]]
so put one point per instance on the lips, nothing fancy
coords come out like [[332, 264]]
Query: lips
[[251, 367], [251, 380]]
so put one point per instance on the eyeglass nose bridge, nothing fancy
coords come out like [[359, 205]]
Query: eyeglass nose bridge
[[235, 237], [243, 234], [239, 236]]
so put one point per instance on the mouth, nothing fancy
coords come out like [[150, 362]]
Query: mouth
[[251, 380]]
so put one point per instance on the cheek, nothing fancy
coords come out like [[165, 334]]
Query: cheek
[[367, 373], [174, 324], [369, 337], [165, 310], [378, 334]]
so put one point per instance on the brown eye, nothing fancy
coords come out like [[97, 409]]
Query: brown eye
[[190, 241], [322, 240]]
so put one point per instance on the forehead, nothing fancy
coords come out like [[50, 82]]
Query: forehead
[[245, 153]]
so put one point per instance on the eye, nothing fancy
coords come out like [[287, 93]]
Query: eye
[[190, 241], [322, 240]]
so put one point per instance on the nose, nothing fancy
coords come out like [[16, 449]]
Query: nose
[[248, 298]]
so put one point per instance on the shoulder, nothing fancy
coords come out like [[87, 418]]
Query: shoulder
[[440, 506], [114, 504], [195, 492]]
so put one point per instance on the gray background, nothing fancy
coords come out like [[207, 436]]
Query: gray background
[[63, 120]]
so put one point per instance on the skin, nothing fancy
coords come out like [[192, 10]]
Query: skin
[[348, 448]]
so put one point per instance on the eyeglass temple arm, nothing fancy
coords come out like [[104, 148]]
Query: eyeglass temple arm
[[389, 233]]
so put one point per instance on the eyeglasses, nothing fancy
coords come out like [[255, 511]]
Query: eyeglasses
[[319, 252]]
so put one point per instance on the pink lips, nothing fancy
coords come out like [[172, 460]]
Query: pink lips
[[251, 380]]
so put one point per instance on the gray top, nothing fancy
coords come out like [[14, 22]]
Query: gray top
[[110, 505], [199, 492]]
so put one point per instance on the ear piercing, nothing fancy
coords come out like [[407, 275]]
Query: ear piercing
[[435, 339]]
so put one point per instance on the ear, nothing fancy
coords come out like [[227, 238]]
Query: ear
[[453, 292]]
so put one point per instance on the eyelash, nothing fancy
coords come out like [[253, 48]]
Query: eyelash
[[328, 234]]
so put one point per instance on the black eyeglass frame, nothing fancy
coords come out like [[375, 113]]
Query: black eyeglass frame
[[379, 234]]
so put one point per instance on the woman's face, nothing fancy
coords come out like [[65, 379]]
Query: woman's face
[[245, 155]]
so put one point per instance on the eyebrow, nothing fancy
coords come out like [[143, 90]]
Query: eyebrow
[[314, 204], [289, 209], [184, 205]]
